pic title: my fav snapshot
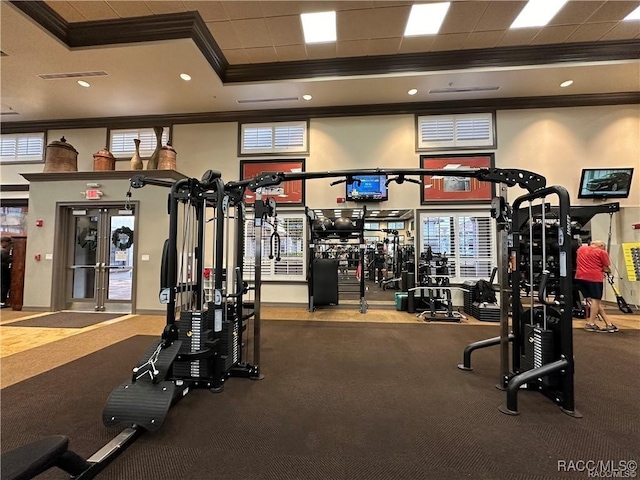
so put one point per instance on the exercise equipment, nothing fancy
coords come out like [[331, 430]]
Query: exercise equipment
[[622, 303], [432, 297], [393, 275], [326, 283], [530, 260], [322, 226], [343, 227], [542, 336], [216, 353]]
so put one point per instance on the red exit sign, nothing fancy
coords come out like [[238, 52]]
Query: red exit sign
[[92, 194]]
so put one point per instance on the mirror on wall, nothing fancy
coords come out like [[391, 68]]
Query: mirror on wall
[[390, 249]]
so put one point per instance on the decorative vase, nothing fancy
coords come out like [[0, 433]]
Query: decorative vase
[[155, 156], [136, 161], [103, 160], [61, 157], [167, 158]]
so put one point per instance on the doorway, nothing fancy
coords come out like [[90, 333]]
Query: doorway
[[100, 258]]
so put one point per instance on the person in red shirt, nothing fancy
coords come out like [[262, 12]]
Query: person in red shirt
[[591, 264]]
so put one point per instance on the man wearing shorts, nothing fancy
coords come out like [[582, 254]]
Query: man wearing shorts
[[591, 265]]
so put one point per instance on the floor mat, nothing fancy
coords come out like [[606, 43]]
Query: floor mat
[[356, 401], [66, 320]]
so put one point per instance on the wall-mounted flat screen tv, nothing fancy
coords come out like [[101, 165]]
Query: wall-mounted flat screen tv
[[367, 188], [605, 182]]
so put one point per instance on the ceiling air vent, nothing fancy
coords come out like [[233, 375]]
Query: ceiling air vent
[[265, 100], [463, 89], [55, 76]]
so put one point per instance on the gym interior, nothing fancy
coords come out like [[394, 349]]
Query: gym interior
[[382, 289]]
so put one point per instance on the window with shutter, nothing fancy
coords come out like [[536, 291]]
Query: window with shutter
[[292, 266], [440, 132], [466, 238], [121, 143], [395, 225], [280, 138], [22, 147]]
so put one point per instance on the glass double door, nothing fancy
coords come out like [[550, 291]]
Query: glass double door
[[100, 263]]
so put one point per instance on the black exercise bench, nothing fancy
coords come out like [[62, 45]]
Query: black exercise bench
[[28, 461]]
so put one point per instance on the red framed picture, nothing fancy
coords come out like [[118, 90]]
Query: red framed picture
[[452, 188], [287, 193]]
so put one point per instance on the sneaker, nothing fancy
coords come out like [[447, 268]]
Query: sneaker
[[609, 329], [592, 327]]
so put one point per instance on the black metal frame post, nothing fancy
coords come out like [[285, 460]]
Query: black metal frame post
[[503, 232], [361, 260]]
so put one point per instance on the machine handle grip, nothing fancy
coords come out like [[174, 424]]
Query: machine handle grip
[[544, 277]]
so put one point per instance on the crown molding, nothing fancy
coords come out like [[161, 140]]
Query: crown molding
[[499, 57], [291, 114], [152, 28]]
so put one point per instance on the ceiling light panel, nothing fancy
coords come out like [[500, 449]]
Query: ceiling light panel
[[426, 19], [537, 13], [635, 15], [319, 27]]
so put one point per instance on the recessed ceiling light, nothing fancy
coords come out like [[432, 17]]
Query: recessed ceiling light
[[537, 13], [413, 91], [319, 27], [185, 76], [426, 19], [307, 97], [84, 84], [635, 15], [567, 83]]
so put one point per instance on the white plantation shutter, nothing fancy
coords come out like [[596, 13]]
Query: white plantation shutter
[[475, 246], [257, 139], [121, 141], [22, 147], [473, 128], [467, 238], [291, 228], [436, 132], [284, 137]]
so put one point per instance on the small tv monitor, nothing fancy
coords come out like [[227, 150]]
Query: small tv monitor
[[605, 182], [367, 188]]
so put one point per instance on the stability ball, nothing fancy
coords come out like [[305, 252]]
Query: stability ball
[[322, 226], [344, 226]]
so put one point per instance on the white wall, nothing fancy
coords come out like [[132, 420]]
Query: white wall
[[556, 143]]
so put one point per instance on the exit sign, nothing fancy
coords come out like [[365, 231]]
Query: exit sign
[[92, 194]]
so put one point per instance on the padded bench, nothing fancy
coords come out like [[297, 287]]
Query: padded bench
[[28, 461]]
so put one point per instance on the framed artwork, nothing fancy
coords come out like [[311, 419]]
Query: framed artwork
[[452, 189], [287, 193]]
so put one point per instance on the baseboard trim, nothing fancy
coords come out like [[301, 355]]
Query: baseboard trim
[[142, 311], [29, 308]]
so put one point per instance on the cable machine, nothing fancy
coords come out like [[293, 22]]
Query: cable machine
[[201, 345], [534, 362], [542, 334], [331, 245], [204, 347]]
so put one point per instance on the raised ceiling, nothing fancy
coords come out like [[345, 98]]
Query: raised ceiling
[[247, 56]]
